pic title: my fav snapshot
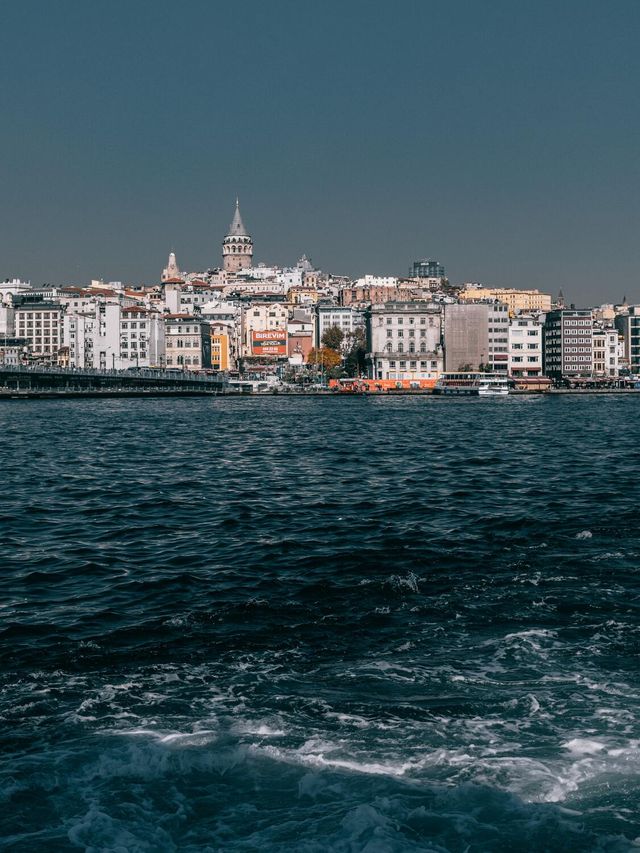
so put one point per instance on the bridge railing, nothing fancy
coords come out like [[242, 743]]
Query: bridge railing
[[133, 373]]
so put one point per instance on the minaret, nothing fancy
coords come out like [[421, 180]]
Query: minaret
[[237, 246], [171, 270]]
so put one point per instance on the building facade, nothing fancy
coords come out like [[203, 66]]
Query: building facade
[[187, 342], [515, 300], [345, 318], [605, 352], [466, 336], [404, 341], [525, 346], [40, 323], [427, 268], [568, 343], [629, 326]]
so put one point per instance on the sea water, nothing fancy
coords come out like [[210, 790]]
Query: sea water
[[320, 624]]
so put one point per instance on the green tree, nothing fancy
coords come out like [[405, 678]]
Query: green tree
[[354, 362], [333, 338]]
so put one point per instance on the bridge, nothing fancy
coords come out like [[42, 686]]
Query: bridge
[[32, 380]]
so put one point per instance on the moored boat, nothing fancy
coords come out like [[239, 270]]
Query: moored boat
[[472, 384]]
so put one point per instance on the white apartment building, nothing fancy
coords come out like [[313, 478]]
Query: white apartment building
[[78, 335], [605, 352], [404, 341], [142, 338], [525, 346], [111, 337], [377, 281], [498, 355], [40, 324], [346, 318]]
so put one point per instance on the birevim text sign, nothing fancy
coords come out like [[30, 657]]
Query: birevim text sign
[[273, 342]]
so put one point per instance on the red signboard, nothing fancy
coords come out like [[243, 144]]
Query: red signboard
[[273, 342]]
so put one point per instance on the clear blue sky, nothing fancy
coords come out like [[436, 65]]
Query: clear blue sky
[[500, 137]]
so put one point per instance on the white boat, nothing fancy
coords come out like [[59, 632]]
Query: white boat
[[472, 384]]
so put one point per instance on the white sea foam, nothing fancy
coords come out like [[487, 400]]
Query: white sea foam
[[584, 534]]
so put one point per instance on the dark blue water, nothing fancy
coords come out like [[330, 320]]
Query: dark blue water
[[320, 624]]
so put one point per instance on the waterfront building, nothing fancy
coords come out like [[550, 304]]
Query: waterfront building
[[605, 351], [142, 338], [237, 246], [568, 343], [525, 346], [629, 326], [39, 322], [466, 336], [220, 347], [516, 300], [171, 271], [404, 341], [187, 342], [498, 335], [13, 351], [77, 338]]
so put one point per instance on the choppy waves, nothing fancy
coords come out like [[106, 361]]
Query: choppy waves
[[350, 625]]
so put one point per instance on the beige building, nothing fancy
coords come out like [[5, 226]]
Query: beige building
[[263, 317], [515, 300], [187, 342]]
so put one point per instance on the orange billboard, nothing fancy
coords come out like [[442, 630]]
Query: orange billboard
[[273, 342]]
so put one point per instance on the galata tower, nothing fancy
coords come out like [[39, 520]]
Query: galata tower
[[237, 246]]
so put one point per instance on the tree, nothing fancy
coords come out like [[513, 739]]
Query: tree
[[354, 362], [326, 357], [333, 338]]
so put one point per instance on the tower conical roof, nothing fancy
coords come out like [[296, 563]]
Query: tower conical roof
[[237, 229]]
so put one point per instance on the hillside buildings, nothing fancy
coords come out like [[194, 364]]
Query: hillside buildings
[[240, 316], [515, 300]]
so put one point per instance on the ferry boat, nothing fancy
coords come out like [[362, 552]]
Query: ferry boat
[[473, 384]]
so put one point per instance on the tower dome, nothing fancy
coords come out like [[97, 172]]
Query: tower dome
[[237, 246], [171, 270]]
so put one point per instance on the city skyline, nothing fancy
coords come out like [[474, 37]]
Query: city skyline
[[498, 141]]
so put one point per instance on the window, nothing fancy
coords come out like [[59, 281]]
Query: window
[[412, 365], [400, 347], [389, 333], [403, 365], [400, 333]]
